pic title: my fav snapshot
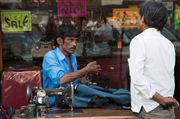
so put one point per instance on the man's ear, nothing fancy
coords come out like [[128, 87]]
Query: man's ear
[[142, 20], [59, 40]]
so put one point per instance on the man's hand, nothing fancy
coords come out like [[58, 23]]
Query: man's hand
[[170, 101], [93, 67]]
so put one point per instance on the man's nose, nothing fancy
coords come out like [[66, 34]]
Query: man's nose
[[74, 43]]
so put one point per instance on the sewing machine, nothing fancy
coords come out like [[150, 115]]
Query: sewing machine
[[38, 100]]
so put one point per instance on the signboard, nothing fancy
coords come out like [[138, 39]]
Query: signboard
[[125, 17], [177, 19], [72, 8], [16, 21]]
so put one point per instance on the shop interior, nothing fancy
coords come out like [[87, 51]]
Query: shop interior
[[23, 45]]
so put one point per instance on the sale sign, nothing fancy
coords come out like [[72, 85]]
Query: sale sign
[[16, 21], [72, 8]]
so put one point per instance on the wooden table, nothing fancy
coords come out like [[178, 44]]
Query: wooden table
[[94, 113], [88, 113]]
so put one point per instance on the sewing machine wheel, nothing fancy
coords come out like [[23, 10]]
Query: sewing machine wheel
[[28, 93]]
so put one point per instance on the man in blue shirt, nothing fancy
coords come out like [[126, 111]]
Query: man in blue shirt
[[60, 65]]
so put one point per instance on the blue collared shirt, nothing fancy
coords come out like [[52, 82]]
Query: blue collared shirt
[[54, 67]]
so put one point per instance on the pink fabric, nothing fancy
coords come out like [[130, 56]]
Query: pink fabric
[[14, 85]]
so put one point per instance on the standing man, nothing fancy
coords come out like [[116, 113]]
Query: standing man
[[151, 63], [60, 65]]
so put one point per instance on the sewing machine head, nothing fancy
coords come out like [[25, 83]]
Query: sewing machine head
[[40, 96]]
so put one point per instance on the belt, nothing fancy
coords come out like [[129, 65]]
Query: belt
[[163, 107]]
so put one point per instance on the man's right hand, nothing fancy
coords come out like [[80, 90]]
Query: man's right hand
[[171, 101], [93, 67]]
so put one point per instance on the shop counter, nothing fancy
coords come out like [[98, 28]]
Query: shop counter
[[89, 113], [93, 113]]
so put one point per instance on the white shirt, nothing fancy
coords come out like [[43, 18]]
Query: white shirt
[[151, 64]]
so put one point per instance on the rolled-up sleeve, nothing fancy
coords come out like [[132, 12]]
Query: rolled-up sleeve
[[52, 72]]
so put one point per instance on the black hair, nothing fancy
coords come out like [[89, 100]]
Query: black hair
[[105, 20], [64, 31], [67, 31], [155, 14]]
